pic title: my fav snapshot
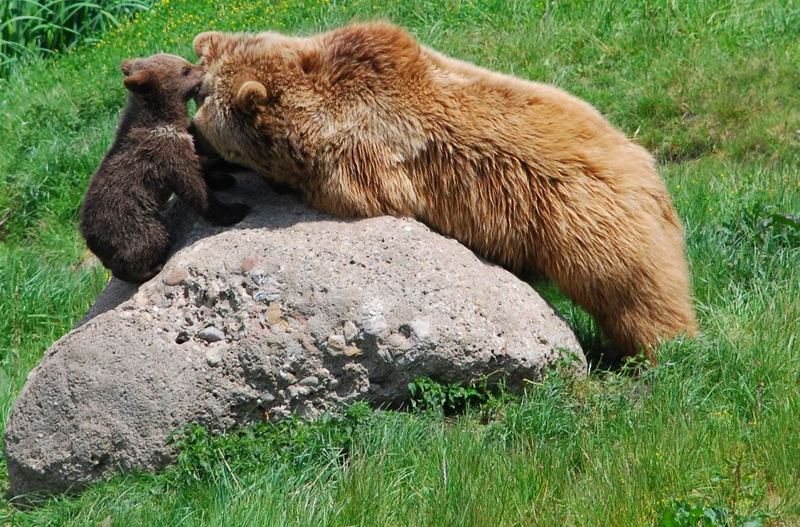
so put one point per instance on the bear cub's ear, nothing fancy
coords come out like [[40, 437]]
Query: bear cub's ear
[[249, 94], [140, 81]]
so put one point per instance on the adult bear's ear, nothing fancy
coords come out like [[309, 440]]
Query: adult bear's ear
[[249, 94], [127, 66], [207, 46], [140, 81]]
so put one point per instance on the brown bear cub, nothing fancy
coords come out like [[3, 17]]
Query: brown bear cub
[[153, 156], [365, 121]]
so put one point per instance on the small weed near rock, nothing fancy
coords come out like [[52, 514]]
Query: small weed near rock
[[295, 440], [687, 513], [427, 395]]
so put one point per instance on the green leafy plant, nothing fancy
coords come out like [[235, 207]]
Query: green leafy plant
[[734, 494], [429, 395], [295, 440], [786, 226], [759, 225], [684, 513]]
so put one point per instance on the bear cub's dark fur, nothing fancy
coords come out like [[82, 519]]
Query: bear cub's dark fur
[[152, 157]]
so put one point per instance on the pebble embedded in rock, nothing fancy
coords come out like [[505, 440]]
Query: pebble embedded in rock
[[336, 343], [176, 277], [211, 334], [269, 296], [274, 313], [249, 262], [311, 380], [288, 377], [308, 346], [298, 391], [376, 326], [421, 328], [141, 301], [182, 337], [352, 351], [212, 294], [350, 331], [214, 355], [398, 341]]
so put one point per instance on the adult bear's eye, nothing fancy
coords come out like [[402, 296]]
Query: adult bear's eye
[[186, 70]]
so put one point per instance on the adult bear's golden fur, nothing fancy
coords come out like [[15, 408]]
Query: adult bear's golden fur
[[364, 121]]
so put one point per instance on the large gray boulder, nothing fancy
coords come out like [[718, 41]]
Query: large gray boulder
[[289, 311]]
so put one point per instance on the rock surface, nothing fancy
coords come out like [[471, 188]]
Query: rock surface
[[288, 311]]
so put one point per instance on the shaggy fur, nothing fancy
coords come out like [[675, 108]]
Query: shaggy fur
[[152, 157], [364, 121]]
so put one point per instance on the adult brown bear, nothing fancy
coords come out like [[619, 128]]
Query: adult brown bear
[[364, 121]]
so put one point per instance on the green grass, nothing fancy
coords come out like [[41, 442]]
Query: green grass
[[38, 27], [709, 87]]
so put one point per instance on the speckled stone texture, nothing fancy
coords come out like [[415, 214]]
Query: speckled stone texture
[[288, 311]]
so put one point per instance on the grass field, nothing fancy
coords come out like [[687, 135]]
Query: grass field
[[709, 437]]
